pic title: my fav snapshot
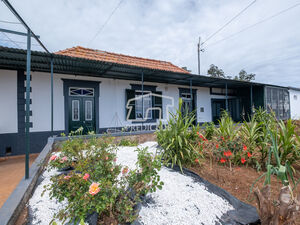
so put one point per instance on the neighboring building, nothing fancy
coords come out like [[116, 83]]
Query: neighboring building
[[295, 102], [91, 89]]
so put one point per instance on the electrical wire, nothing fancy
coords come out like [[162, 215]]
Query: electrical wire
[[21, 42], [226, 24], [18, 46], [106, 21], [255, 24], [10, 22]]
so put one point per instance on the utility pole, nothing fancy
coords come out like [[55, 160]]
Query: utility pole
[[200, 49]]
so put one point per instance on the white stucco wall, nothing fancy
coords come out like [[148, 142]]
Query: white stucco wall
[[112, 112], [295, 103], [8, 102]]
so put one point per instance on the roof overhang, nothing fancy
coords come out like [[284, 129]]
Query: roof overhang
[[11, 58]]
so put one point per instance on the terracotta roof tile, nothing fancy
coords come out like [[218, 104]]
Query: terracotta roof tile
[[99, 55]]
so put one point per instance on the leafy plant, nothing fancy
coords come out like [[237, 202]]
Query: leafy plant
[[99, 185], [227, 127], [128, 142], [288, 147], [177, 140], [210, 130]]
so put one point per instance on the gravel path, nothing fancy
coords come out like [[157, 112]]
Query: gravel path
[[181, 201]]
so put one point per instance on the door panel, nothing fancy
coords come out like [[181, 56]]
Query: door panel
[[81, 114]]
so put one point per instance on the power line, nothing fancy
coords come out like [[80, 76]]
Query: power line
[[10, 22], [226, 24], [18, 46], [107, 20], [255, 24]]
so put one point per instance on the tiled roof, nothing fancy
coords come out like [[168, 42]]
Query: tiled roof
[[99, 55]]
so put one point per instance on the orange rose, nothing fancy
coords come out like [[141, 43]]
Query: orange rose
[[94, 188]]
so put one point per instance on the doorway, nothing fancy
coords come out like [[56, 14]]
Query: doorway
[[81, 105]]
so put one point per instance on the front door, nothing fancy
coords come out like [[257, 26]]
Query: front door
[[81, 109]]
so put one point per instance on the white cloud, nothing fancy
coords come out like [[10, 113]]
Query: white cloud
[[169, 30]]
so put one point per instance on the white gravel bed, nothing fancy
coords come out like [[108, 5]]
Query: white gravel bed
[[181, 201]]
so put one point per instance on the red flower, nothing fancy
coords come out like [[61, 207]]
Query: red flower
[[227, 154], [222, 160], [198, 133], [217, 146], [249, 154], [243, 160], [125, 170], [86, 176], [196, 160], [222, 138], [245, 148]]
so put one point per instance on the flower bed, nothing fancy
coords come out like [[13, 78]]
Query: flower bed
[[180, 201]]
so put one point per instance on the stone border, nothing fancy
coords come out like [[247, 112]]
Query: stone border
[[13, 206]]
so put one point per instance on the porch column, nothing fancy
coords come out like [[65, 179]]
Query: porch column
[[27, 118], [226, 96], [51, 95], [143, 94]]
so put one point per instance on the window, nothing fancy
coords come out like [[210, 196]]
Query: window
[[143, 108], [277, 100], [88, 92], [222, 91], [75, 110], [88, 110]]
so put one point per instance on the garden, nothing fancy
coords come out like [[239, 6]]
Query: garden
[[233, 173]]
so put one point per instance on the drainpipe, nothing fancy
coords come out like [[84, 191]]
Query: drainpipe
[[142, 98], [27, 117]]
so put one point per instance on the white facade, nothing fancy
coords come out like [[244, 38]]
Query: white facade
[[112, 110], [295, 103], [8, 102]]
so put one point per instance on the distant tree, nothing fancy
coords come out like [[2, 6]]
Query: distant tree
[[244, 76], [214, 71]]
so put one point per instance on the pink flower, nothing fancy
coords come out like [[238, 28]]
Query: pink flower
[[243, 160], [196, 160], [106, 158], [67, 177], [94, 188], [86, 176], [115, 159], [65, 158], [125, 170], [53, 157]]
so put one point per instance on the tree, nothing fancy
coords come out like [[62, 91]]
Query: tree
[[214, 71], [244, 76]]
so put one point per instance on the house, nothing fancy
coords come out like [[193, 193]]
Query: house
[[91, 89]]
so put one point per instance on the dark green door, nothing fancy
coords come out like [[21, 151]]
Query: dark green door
[[81, 113], [218, 105]]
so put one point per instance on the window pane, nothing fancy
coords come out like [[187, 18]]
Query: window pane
[[81, 91], [75, 110], [88, 110], [142, 107]]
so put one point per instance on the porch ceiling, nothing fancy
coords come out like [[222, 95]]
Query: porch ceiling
[[11, 58]]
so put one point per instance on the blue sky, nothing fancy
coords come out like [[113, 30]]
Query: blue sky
[[169, 30]]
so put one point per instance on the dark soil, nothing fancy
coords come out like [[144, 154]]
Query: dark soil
[[238, 181]]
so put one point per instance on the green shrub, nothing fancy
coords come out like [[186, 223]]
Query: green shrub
[[227, 127], [98, 184], [128, 142], [177, 139], [288, 146], [210, 130]]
